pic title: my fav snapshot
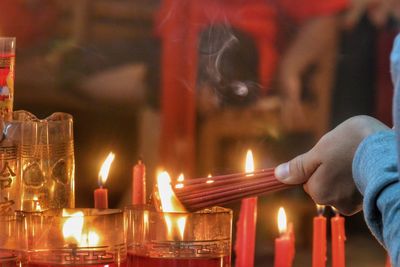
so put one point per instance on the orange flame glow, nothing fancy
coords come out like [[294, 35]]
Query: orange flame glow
[[73, 230], [170, 203]]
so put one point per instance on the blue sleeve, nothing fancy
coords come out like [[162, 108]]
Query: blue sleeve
[[376, 176]]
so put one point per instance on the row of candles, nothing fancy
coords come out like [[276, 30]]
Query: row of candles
[[245, 245], [285, 244]]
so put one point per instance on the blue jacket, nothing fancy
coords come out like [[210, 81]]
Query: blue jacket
[[376, 168]]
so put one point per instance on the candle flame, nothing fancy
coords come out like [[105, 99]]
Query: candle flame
[[180, 179], [282, 222], [249, 166], [105, 168], [73, 227], [170, 203]]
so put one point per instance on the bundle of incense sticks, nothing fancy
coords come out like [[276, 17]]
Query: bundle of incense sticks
[[199, 193]]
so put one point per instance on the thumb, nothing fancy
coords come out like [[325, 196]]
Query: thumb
[[298, 170]]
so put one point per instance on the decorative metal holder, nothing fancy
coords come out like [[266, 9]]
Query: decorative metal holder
[[76, 237], [167, 239], [36, 163]]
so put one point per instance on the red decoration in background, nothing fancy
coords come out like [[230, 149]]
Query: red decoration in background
[[180, 23], [29, 21]]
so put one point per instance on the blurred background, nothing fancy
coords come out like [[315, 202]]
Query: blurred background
[[191, 85]]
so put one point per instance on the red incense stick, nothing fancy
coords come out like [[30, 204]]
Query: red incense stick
[[204, 192]]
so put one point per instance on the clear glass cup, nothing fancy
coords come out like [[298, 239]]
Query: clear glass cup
[[168, 239], [76, 237], [7, 68], [36, 162]]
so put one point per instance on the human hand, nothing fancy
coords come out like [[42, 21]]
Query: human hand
[[326, 170]]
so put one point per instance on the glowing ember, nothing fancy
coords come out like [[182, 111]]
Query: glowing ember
[[209, 181], [180, 179]]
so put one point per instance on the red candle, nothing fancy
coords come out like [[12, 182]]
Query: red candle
[[319, 239], [338, 239], [246, 229], [139, 184], [101, 198], [101, 193], [246, 226], [284, 245], [388, 263]]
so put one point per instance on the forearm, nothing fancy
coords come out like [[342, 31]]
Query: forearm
[[376, 176]]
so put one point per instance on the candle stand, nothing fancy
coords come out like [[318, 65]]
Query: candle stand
[[199, 239], [76, 237]]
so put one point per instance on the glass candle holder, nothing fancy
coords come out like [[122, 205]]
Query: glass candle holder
[[36, 162], [168, 239], [12, 239], [76, 237]]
